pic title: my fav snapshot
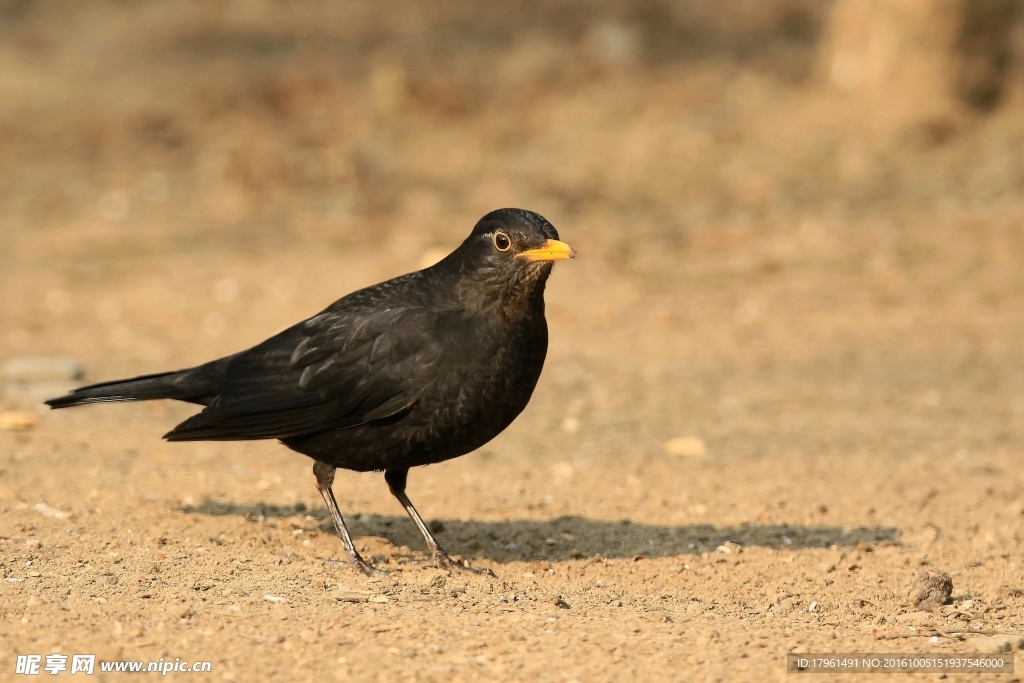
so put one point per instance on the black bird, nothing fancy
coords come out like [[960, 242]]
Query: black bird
[[415, 370]]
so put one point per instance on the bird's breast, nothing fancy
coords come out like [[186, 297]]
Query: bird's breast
[[486, 386], [465, 396]]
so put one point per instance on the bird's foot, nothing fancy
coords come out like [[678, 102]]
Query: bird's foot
[[358, 563], [368, 569], [446, 561]]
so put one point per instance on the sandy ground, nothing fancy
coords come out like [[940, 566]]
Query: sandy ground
[[851, 442], [785, 374]]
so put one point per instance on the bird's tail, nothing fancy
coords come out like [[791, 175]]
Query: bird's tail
[[179, 385]]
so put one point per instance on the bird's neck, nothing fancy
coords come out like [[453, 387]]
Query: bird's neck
[[511, 299]]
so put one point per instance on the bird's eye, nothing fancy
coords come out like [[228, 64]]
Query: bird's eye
[[501, 241]]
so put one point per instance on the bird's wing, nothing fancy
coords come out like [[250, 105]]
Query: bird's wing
[[339, 369]]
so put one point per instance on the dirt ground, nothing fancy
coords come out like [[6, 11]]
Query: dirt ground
[[785, 373]]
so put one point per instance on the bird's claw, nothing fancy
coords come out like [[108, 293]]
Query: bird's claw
[[368, 569], [359, 564], [446, 561]]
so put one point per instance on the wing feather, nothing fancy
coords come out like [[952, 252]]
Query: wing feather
[[339, 369]]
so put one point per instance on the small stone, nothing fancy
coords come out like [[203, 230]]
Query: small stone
[[108, 579], [52, 512], [42, 368], [561, 603], [379, 599], [308, 635], [931, 590], [33, 601], [33, 543], [275, 599], [352, 596], [1000, 643], [18, 420], [685, 446]]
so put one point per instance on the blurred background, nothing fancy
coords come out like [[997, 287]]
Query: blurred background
[[174, 125], [777, 203]]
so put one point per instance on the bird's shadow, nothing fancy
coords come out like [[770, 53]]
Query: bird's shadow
[[570, 537]]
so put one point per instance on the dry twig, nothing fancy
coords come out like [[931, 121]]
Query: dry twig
[[954, 634]]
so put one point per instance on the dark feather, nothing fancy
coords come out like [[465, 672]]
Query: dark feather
[[339, 369]]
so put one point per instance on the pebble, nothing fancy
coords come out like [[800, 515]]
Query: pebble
[[49, 511], [686, 446], [308, 635], [1000, 643], [18, 420], [352, 596], [42, 368], [931, 589], [275, 599]]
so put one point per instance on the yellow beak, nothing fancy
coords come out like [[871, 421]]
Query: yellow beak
[[551, 250]]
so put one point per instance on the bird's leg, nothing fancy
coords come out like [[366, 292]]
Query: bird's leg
[[396, 480], [324, 478]]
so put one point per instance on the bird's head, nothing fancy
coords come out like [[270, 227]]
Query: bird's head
[[509, 256]]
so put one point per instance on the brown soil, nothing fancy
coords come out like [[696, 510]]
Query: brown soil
[[785, 374]]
